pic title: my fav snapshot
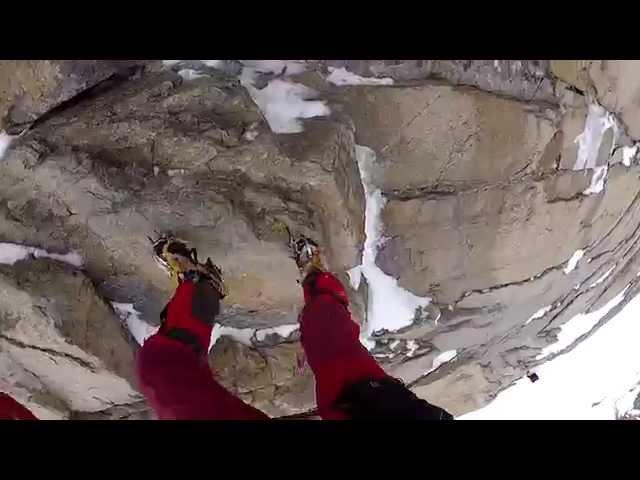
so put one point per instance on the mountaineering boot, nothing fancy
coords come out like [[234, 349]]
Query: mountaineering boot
[[181, 262], [306, 254], [191, 313]]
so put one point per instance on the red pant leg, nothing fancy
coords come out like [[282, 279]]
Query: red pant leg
[[179, 385], [12, 410], [331, 342], [177, 381]]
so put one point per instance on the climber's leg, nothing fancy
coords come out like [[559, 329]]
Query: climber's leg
[[331, 342], [172, 365], [12, 410]]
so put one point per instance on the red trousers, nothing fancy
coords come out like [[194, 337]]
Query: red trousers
[[178, 383], [12, 410]]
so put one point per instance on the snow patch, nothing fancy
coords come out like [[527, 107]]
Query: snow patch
[[596, 380], [573, 261], [539, 314], [11, 253], [277, 67], [208, 63], [248, 336], [597, 180], [283, 330], [444, 357], [412, 346], [213, 63], [603, 277], [5, 141], [628, 154], [139, 329], [579, 325], [282, 102], [355, 275], [240, 335], [342, 77], [624, 404], [190, 74], [597, 123], [390, 307]]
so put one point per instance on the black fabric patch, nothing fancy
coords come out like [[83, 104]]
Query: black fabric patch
[[186, 337], [205, 304], [386, 399]]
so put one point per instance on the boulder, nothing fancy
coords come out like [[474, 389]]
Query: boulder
[[63, 349]]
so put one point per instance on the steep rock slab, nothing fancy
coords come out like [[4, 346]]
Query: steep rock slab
[[527, 80], [62, 347], [445, 139], [271, 378], [495, 236], [161, 154], [617, 88]]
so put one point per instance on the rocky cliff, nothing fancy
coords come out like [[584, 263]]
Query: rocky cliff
[[473, 208]]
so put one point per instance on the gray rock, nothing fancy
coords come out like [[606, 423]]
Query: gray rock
[[616, 87], [31, 88], [62, 347], [484, 209], [231, 199], [528, 80]]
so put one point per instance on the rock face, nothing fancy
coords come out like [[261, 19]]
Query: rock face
[[273, 379], [492, 175], [31, 88], [63, 350]]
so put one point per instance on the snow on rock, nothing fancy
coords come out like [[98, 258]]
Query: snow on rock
[[390, 307], [603, 277], [441, 359], [625, 403], [248, 336], [278, 67], [579, 325], [628, 154], [597, 123], [5, 141], [355, 275], [241, 335], [412, 346], [11, 253], [573, 261], [283, 330], [539, 314], [597, 180], [208, 63], [139, 329], [596, 380], [284, 103], [190, 74], [341, 77], [213, 63]]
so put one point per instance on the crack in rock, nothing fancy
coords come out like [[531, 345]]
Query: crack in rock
[[54, 353]]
